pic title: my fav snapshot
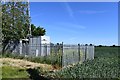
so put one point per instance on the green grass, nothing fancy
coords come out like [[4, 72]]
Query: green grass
[[14, 72]]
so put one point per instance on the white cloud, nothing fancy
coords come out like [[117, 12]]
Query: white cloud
[[69, 9], [91, 12], [72, 25]]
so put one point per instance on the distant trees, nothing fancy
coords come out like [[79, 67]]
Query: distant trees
[[113, 45], [107, 46], [86, 44], [100, 45], [91, 44]]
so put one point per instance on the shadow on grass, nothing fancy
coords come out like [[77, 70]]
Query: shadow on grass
[[35, 74]]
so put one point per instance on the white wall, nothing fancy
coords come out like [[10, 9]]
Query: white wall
[[45, 40]]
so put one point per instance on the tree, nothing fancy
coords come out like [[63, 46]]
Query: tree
[[86, 44], [113, 45], [1, 28], [100, 45], [90, 44], [37, 31], [15, 22]]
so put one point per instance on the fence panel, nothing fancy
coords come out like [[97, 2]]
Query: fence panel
[[70, 54], [76, 53], [82, 53], [90, 52]]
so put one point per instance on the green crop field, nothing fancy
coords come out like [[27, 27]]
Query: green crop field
[[98, 68], [105, 65], [106, 52]]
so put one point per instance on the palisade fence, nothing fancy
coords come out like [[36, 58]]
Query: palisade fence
[[64, 54], [77, 53]]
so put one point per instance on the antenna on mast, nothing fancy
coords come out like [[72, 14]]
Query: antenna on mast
[[29, 20], [29, 16]]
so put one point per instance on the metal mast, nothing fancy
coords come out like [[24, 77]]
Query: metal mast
[[29, 20]]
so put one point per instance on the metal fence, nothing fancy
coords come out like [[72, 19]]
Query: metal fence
[[65, 54], [77, 53]]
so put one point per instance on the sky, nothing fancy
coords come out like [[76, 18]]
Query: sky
[[77, 22]]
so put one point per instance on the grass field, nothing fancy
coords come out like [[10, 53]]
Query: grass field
[[14, 72]]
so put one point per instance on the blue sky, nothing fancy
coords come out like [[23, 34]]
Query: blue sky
[[77, 22]]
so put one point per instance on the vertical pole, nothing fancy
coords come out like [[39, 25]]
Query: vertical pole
[[93, 52], [46, 50], [40, 45], [36, 46], [86, 52], [20, 47], [79, 51], [50, 48], [51, 55], [66, 60], [28, 14], [73, 57], [62, 55]]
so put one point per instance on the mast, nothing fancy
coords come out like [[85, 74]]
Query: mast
[[29, 17], [29, 20]]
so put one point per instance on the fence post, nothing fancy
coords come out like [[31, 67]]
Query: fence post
[[93, 51], [62, 55], [20, 47], [66, 60], [50, 48], [51, 54], [46, 45], [86, 51], [73, 57], [79, 51]]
